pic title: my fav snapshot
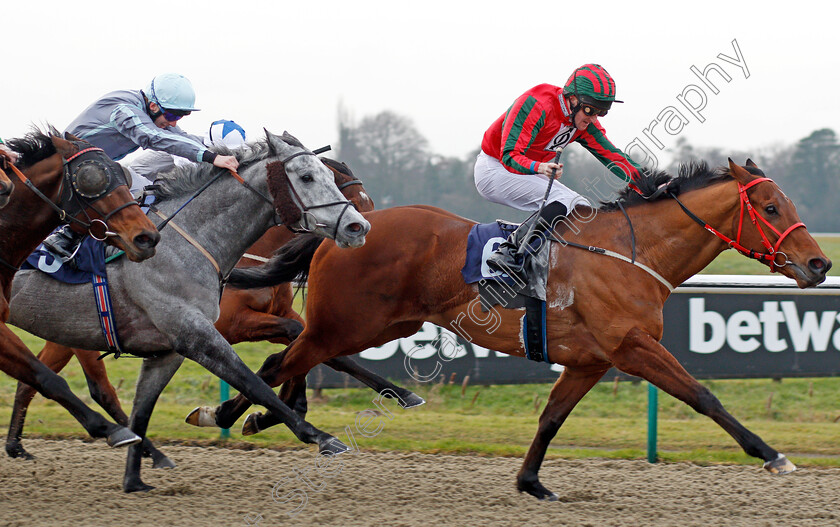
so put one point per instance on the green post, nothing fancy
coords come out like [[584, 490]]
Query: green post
[[653, 405], [224, 395]]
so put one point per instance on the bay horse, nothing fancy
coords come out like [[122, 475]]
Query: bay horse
[[166, 307], [246, 315], [6, 185], [602, 312], [46, 194]]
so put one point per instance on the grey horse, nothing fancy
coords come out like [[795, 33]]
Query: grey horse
[[165, 307]]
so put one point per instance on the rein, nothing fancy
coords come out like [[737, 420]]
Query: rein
[[247, 185], [768, 258], [63, 215], [241, 180], [772, 251]]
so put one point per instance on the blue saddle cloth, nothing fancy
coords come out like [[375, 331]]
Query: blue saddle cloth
[[89, 261], [483, 240], [498, 288]]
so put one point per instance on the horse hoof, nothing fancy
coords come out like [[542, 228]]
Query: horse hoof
[[250, 427], [780, 465], [411, 401], [16, 450], [164, 462], [123, 437], [332, 447], [536, 489], [136, 486], [204, 416]]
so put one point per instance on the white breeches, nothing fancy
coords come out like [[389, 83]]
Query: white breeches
[[520, 191]]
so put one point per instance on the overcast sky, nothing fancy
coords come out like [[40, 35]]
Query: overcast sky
[[452, 67]]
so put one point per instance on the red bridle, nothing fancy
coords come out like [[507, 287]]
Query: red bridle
[[772, 251]]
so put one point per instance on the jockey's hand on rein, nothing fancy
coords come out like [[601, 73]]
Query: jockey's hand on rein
[[663, 188]]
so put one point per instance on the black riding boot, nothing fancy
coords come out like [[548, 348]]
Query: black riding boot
[[64, 242], [512, 255]]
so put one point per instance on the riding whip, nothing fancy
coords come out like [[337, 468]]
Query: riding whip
[[533, 225]]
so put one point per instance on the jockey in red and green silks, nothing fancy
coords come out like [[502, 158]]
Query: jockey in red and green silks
[[515, 161]]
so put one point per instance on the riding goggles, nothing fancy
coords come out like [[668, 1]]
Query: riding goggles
[[174, 115], [591, 110]]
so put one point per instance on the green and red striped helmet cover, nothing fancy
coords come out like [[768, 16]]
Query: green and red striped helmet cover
[[592, 85]]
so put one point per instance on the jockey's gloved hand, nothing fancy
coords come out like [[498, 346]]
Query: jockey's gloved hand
[[655, 192]]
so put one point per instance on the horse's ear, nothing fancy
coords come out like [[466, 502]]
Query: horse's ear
[[751, 164], [71, 137], [292, 140], [63, 147], [271, 140], [740, 173]]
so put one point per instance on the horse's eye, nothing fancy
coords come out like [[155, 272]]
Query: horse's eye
[[307, 178], [771, 209]]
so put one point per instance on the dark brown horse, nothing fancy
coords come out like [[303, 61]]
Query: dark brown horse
[[247, 315], [6, 185], [610, 315], [43, 186]]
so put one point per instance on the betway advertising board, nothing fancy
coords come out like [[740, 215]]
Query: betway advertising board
[[736, 327], [716, 326]]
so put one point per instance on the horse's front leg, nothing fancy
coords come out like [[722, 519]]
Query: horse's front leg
[[55, 357], [105, 395], [293, 393], [213, 352], [569, 389], [405, 398], [155, 374], [17, 361], [641, 355], [226, 414]]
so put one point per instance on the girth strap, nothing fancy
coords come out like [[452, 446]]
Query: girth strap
[[193, 242]]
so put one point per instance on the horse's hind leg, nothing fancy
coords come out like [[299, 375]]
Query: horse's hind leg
[[105, 395], [641, 355], [155, 374], [55, 357], [293, 393], [569, 389], [17, 361]]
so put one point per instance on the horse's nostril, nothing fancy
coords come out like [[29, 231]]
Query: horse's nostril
[[819, 265], [354, 227], [146, 240]]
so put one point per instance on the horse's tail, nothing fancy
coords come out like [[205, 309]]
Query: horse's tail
[[290, 262]]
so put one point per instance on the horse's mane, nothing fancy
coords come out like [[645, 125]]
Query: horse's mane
[[35, 146], [186, 179], [691, 176]]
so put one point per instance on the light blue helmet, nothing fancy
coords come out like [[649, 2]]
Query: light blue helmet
[[172, 91], [225, 133]]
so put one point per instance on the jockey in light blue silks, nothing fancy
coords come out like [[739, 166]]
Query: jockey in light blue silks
[[120, 122], [222, 133]]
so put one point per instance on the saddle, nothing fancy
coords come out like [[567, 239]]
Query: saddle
[[497, 288], [87, 266]]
